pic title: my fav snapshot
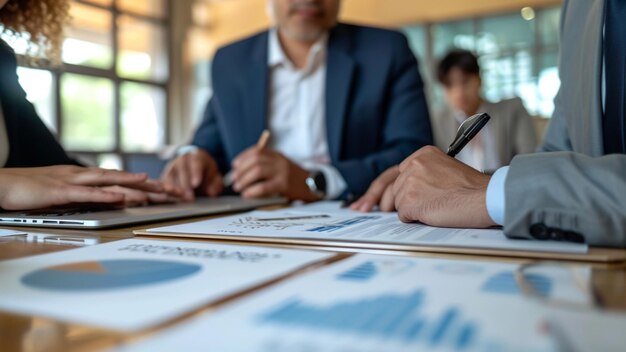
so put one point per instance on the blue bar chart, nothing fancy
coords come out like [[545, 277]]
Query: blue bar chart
[[504, 283], [388, 317], [361, 272], [343, 224]]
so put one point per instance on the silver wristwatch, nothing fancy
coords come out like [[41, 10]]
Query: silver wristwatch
[[317, 184]]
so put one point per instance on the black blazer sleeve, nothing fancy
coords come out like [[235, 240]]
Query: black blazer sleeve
[[30, 142]]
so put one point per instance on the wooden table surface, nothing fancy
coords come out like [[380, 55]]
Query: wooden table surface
[[31, 333]]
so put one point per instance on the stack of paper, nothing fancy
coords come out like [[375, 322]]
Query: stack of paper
[[326, 222]]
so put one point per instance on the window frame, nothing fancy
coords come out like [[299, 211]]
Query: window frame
[[537, 50], [117, 81]]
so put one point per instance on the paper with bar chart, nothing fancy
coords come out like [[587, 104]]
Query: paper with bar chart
[[133, 284], [371, 303], [326, 221]]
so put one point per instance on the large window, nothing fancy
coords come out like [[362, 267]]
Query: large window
[[517, 53], [109, 99]]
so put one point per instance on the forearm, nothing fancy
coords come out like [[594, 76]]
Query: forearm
[[5, 185]]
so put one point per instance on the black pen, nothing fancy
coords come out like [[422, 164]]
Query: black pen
[[468, 130]]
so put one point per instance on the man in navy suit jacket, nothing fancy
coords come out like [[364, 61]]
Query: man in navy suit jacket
[[343, 103]]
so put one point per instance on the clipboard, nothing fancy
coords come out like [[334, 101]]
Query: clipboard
[[602, 255]]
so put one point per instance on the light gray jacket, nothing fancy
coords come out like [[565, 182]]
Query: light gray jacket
[[572, 192]]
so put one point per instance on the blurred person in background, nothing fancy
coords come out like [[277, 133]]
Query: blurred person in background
[[35, 171], [509, 132], [343, 103]]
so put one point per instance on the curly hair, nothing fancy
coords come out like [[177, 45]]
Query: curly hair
[[39, 22]]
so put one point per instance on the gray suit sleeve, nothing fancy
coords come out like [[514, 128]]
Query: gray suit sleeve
[[567, 196]]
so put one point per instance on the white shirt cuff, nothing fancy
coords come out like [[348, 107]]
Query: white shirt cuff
[[335, 183], [495, 195], [186, 149]]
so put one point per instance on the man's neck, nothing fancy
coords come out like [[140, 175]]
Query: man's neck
[[296, 51]]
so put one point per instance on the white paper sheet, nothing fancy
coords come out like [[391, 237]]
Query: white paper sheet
[[48, 238], [326, 221], [6, 233], [133, 284], [377, 303]]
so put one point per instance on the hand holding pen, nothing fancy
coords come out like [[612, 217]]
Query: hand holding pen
[[260, 171], [381, 191], [261, 144]]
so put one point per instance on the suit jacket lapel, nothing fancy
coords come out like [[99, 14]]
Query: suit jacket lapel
[[339, 75], [586, 129], [254, 95]]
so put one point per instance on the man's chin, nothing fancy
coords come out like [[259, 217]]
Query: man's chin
[[304, 35]]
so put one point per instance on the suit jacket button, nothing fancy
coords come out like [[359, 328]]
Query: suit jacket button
[[572, 236], [539, 231]]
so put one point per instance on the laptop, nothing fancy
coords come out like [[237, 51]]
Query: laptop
[[105, 217]]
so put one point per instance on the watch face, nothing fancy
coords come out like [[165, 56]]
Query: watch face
[[311, 183], [317, 183], [320, 182]]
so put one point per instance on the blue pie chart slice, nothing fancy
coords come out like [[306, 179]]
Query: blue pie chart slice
[[107, 274]]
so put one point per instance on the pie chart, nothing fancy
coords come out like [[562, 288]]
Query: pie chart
[[107, 274]]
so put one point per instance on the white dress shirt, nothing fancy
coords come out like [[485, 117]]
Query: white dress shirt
[[4, 141], [297, 111]]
